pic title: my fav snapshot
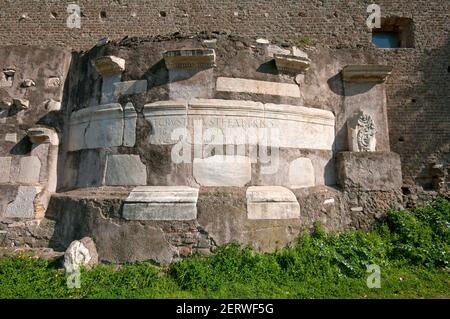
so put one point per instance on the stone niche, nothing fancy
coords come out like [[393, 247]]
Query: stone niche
[[365, 93]]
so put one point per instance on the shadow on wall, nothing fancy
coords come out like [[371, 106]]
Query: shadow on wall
[[335, 83], [269, 67]]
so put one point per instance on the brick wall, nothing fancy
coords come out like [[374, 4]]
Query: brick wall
[[418, 90]]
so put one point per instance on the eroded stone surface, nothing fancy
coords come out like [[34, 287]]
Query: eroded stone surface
[[102, 126], [127, 170], [369, 170], [5, 167], [23, 205], [257, 87]]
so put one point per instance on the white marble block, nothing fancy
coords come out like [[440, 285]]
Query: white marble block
[[30, 169], [221, 170], [301, 173], [271, 202], [161, 203]]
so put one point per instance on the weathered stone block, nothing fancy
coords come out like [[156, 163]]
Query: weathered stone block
[[30, 169], [126, 170], [271, 202], [161, 203], [113, 88], [223, 170], [23, 205], [102, 126], [369, 170], [96, 127]]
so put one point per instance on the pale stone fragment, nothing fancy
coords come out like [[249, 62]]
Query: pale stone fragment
[[23, 205], [5, 167], [11, 137], [80, 253], [30, 168], [271, 202], [223, 171], [161, 203], [301, 173]]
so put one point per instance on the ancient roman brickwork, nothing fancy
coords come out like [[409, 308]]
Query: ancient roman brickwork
[[417, 90]]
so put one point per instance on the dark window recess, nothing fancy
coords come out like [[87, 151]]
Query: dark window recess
[[395, 32], [103, 15]]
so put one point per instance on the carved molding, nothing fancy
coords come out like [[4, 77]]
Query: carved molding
[[42, 135], [291, 63], [109, 65], [190, 59], [366, 73]]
